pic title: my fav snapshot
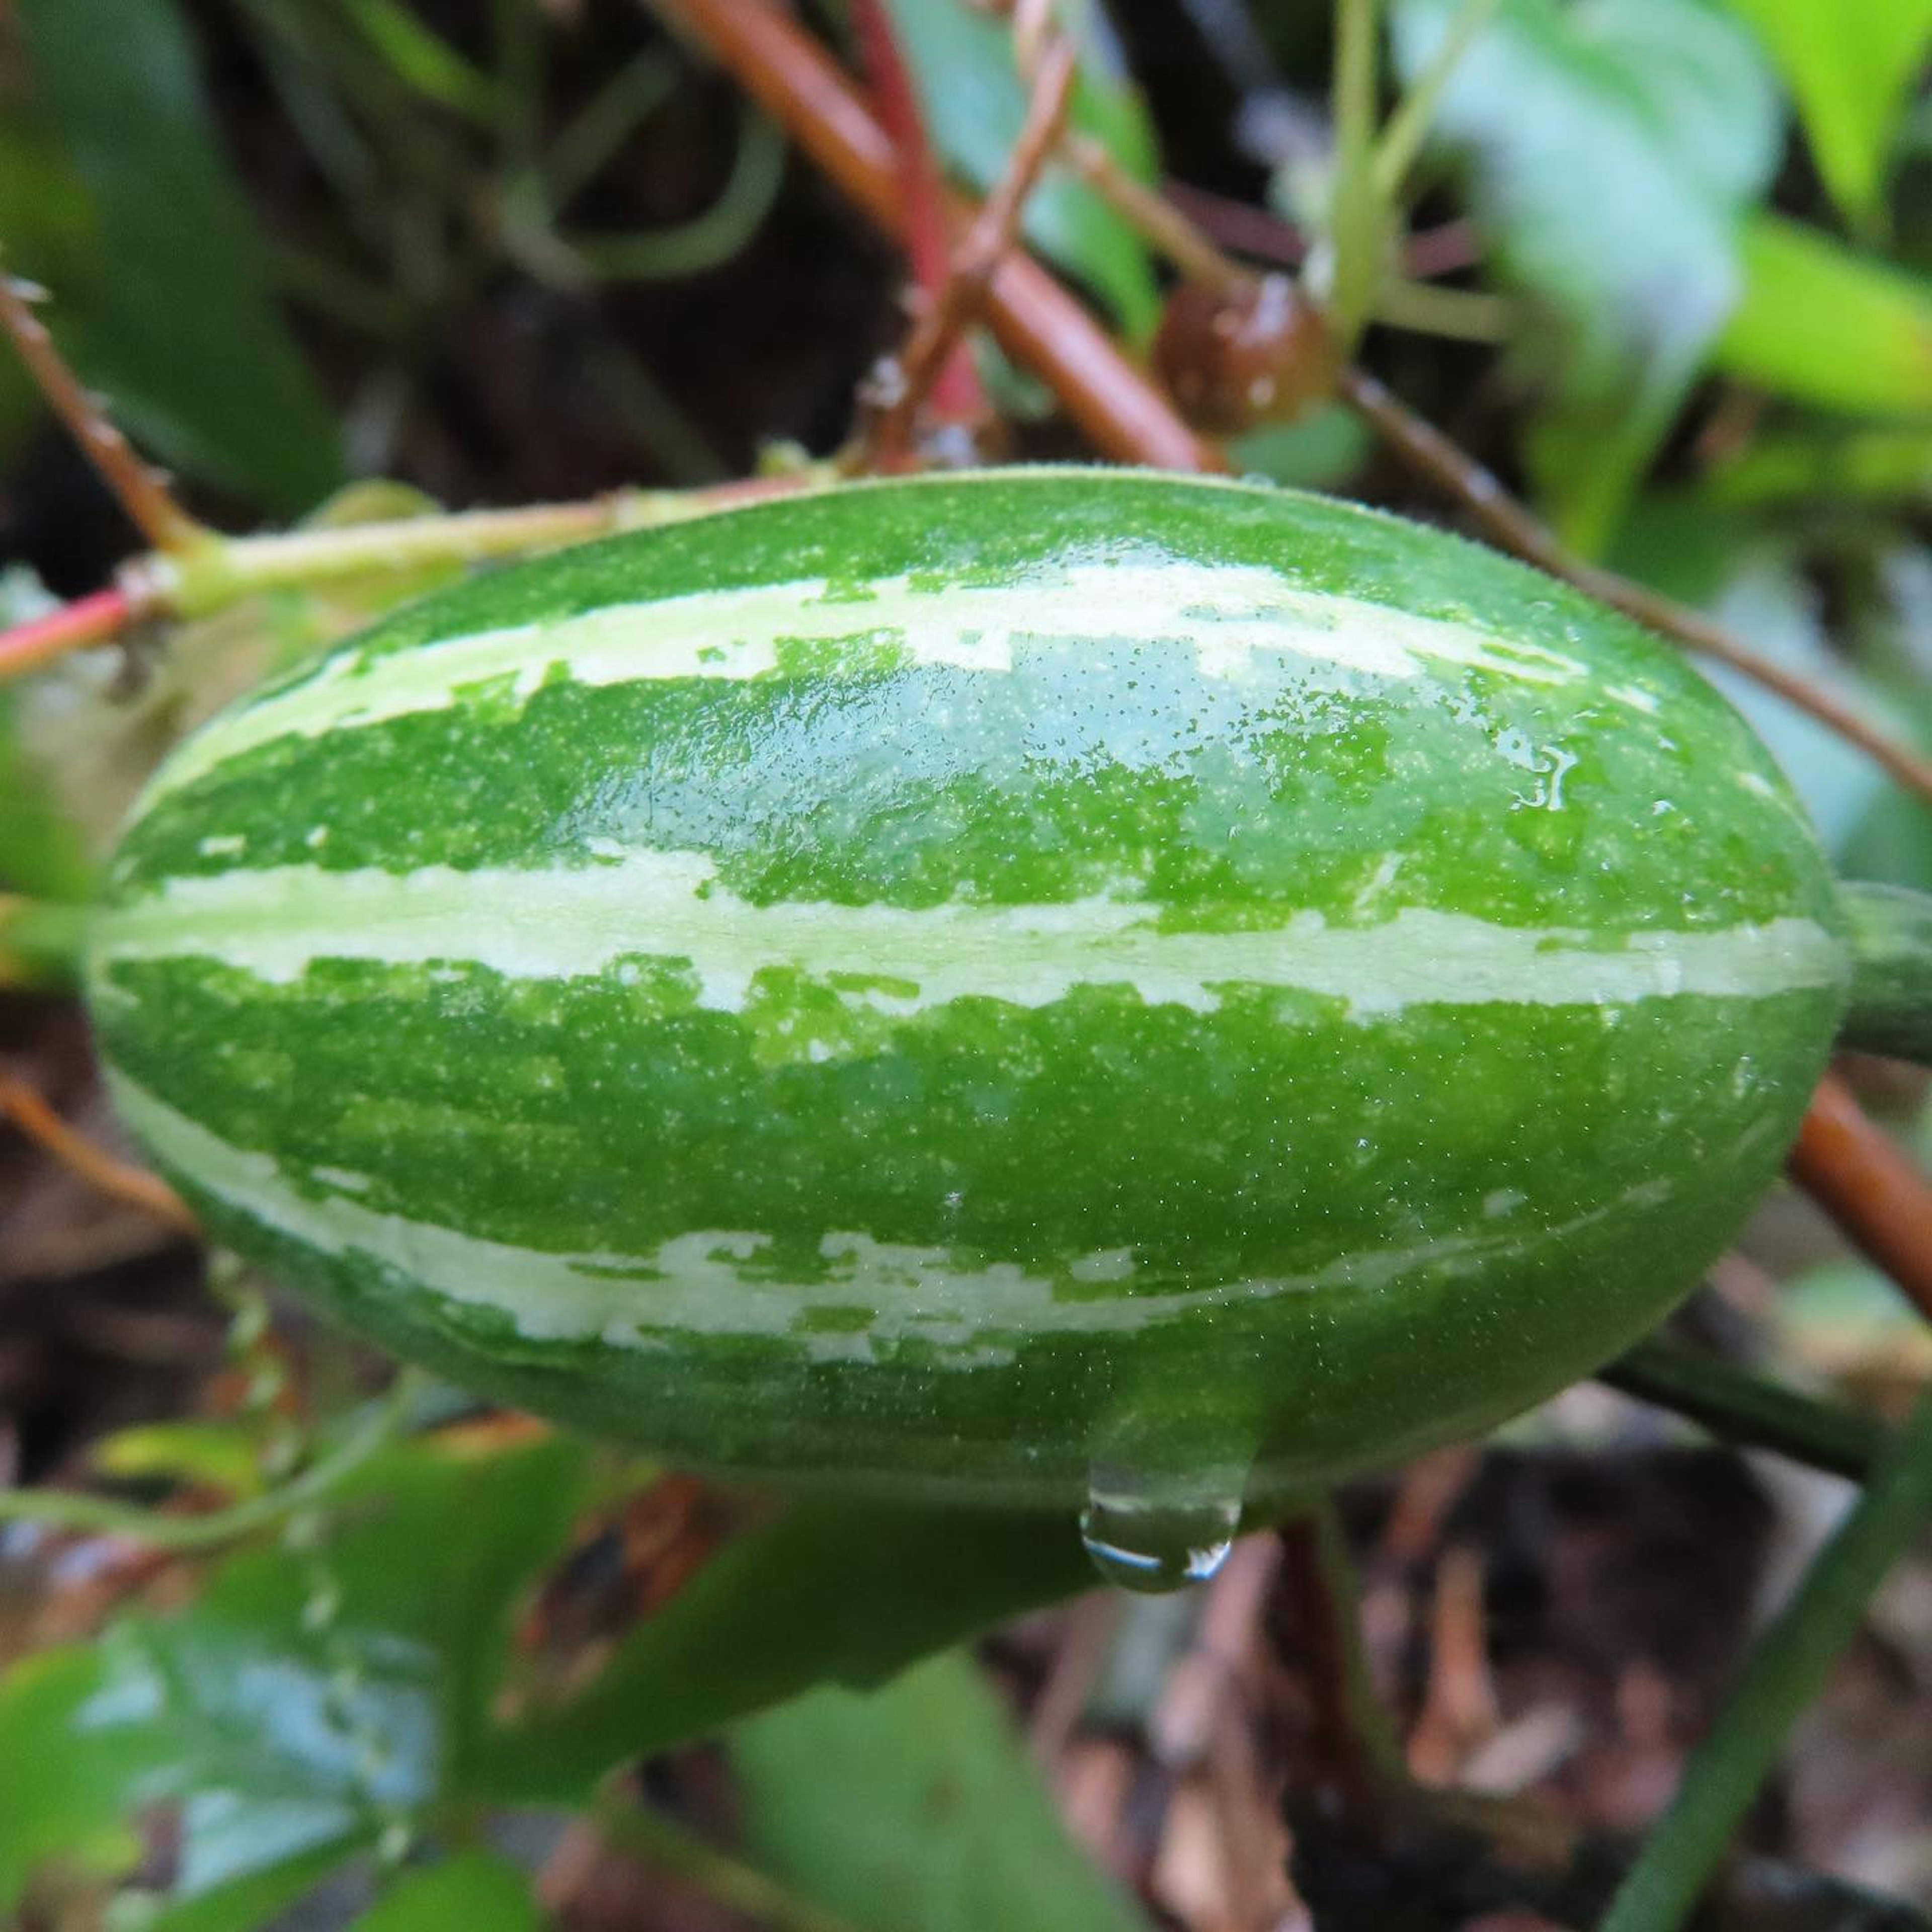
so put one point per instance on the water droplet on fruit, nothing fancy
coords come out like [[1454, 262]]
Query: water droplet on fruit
[[1160, 1533]]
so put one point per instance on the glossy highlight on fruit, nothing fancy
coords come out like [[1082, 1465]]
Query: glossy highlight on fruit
[[1049, 986]]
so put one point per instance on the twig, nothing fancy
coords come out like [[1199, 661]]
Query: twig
[[94, 619], [956, 394], [140, 489], [1787, 1668], [1509, 524], [1036, 321], [34, 1118], [1870, 1186], [989, 241], [1402, 138]]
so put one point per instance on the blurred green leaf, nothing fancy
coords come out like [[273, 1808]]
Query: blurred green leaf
[[44, 846], [217, 1455], [475, 1891], [845, 1591], [305, 1701], [1822, 325], [1320, 450], [1610, 149], [1827, 460], [915, 1809], [975, 105], [1850, 70], [1750, 577], [171, 316], [311, 1699]]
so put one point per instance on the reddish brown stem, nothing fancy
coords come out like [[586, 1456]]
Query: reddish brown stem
[[140, 490], [34, 1118], [1036, 321], [955, 391], [88, 620], [1869, 1186], [934, 345]]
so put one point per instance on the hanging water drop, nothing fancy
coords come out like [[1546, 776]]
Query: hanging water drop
[[1160, 1533]]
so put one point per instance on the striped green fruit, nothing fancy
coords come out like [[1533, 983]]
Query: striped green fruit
[[1033, 985]]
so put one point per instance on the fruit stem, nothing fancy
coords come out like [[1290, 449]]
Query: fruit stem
[[1784, 1672], [39, 944], [1890, 1010]]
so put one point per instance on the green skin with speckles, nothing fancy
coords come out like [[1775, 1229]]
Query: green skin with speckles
[[1185, 1205]]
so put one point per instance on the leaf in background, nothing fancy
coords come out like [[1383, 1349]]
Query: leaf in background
[[303, 1702], [173, 318], [843, 1592], [473, 1892], [1612, 147], [1824, 326], [1750, 577], [1850, 69], [915, 1809], [975, 104]]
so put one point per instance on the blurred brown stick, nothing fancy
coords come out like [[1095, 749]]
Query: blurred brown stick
[[1871, 1187]]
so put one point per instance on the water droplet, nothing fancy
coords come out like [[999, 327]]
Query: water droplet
[[1159, 1534]]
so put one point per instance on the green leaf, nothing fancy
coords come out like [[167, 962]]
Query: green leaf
[[915, 1809], [846, 1592], [306, 1699], [43, 846], [476, 1891], [1825, 325], [171, 316], [1850, 70], [975, 103], [1610, 148]]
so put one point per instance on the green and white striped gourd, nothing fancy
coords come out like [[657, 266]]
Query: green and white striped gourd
[[1042, 986]]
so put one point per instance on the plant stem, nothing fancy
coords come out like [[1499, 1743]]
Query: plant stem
[[1891, 971], [31, 1115], [94, 620], [1787, 1669], [1402, 139], [1510, 526], [1036, 321], [1357, 220], [1870, 1186], [61, 1509], [239, 566], [140, 491], [40, 943], [1734, 1404]]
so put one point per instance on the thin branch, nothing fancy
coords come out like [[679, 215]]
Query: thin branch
[[1401, 139], [988, 241], [1511, 526], [140, 489], [956, 392], [95, 620], [34, 1118], [1870, 1186], [1036, 321]]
